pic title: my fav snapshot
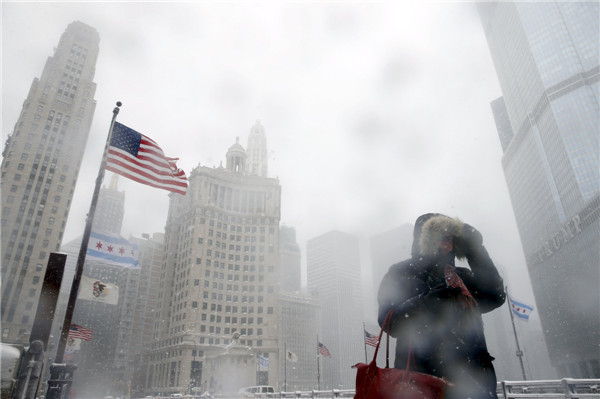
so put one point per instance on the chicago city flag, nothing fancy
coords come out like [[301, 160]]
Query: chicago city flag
[[113, 250], [520, 309], [263, 361]]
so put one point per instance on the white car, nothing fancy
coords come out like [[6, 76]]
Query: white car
[[258, 391]]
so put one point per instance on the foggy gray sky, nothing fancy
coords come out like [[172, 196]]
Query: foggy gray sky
[[374, 113]]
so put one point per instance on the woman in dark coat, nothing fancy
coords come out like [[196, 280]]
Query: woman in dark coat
[[437, 307]]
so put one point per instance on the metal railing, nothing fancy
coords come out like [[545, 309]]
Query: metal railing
[[568, 388]]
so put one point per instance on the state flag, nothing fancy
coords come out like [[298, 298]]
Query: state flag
[[92, 289], [291, 357]]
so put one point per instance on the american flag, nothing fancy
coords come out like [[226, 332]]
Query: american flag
[[323, 350], [77, 331], [139, 158], [371, 339]]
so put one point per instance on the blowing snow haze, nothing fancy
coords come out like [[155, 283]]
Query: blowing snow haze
[[373, 115]]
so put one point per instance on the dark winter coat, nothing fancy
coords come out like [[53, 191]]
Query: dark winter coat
[[447, 339]]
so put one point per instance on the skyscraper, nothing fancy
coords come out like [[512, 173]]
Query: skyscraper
[[548, 64], [256, 151], [290, 268], [106, 360], [40, 165], [334, 276], [298, 334], [219, 284], [387, 248], [110, 210], [151, 264]]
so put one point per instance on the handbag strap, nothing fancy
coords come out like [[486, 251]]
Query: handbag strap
[[386, 327], [387, 343], [410, 355]]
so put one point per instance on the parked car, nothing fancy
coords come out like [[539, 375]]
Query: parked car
[[258, 391]]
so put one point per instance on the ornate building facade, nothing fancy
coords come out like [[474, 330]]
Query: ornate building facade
[[219, 284]]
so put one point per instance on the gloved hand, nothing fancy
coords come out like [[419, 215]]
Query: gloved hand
[[470, 239]]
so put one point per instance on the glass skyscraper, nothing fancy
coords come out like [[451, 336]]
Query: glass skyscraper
[[547, 61]]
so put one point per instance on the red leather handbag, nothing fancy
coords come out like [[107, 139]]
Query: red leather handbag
[[373, 382]]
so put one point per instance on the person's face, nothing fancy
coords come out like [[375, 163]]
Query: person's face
[[445, 245]]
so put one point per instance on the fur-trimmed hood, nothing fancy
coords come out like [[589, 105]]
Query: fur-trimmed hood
[[430, 228]]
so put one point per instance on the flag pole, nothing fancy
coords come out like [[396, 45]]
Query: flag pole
[[512, 320], [64, 334], [318, 368], [285, 367], [365, 341]]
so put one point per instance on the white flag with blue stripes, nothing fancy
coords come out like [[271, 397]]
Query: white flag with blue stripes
[[520, 309], [263, 361], [112, 250]]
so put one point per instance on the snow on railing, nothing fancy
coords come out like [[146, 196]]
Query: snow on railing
[[568, 388]]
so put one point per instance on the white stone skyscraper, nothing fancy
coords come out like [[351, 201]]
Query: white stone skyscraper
[[256, 151], [40, 165], [219, 285], [547, 58]]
